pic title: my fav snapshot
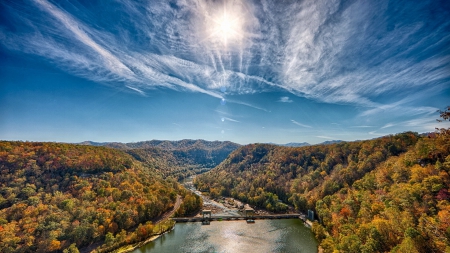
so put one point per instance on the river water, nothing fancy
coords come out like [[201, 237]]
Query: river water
[[283, 236], [235, 236]]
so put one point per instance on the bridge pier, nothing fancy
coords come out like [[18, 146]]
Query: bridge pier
[[206, 221], [249, 213]]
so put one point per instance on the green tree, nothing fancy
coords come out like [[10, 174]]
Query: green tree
[[71, 249]]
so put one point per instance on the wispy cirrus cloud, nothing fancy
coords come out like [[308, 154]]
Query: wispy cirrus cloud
[[247, 104], [136, 89], [230, 119], [388, 125], [300, 124], [363, 126], [324, 137], [330, 51]]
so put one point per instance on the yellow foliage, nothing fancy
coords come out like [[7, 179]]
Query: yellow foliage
[[54, 245]]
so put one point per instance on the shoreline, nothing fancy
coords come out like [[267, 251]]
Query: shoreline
[[135, 246]]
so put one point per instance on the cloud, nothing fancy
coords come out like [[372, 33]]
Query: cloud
[[300, 124], [230, 119], [136, 89], [247, 104], [285, 100], [100, 55], [324, 137], [329, 51], [377, 134], [387, 125]]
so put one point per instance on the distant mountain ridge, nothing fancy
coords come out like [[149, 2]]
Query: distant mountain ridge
[[166, 145], [304, 144], [295, 144], [177, 159], [330, 142]]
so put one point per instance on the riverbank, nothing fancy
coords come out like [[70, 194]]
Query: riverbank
[[163, 223], [130, 248]]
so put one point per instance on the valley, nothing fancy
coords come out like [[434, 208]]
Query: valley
[[225, 126], [57, 196]]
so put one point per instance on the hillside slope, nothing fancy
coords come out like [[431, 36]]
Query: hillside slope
[[55, 195], [177, 159], [346, 182]]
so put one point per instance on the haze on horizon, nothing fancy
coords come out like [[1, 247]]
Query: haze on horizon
[[243, 71]]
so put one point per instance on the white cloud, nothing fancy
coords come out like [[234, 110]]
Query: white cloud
[[136, 89], [285, 100], [324, 137], [300, 124], [388, 125], [247, 104], [230, 119]]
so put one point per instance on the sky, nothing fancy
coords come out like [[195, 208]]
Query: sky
[[243, 71]]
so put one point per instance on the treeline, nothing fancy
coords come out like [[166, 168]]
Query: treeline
[[60, 197], [348, 185]]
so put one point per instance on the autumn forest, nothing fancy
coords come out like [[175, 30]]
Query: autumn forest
[[389, 194]]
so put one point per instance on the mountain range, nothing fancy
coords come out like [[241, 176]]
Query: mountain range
[[304, 144], [178, 159]]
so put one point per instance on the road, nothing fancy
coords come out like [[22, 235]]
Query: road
[[167, 214]]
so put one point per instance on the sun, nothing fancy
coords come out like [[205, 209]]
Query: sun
[[226, 27]]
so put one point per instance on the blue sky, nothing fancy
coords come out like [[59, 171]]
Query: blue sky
[[244, 71]]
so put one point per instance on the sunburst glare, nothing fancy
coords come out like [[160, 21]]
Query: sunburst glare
[[226, 26]]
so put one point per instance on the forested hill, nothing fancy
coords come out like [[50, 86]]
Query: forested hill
[[176, 158], [54, 195], [386, 194], [185, 144]]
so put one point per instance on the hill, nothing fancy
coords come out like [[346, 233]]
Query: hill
[[296, 144], [54, 196], [386, 194], [177, 159], [304, 144], [185, 144]]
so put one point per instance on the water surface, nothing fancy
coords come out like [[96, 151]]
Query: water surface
[[236, 236]]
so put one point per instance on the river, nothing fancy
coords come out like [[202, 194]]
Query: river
[[235, 236], [282, 236]]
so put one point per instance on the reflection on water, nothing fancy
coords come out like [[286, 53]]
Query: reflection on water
[[236, 236]]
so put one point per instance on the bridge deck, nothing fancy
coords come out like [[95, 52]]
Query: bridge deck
[[229, 218]]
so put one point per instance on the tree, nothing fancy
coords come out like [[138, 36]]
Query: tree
[[109, 239], [445, 115], [71, 249]]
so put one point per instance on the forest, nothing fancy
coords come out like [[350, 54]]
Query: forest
[[389, 194], [63, 197], [176, 159]]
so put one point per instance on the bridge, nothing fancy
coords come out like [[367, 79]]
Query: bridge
[[241, 217]]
